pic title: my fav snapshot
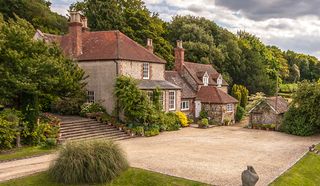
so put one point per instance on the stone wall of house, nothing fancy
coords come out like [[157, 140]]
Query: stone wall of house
[[101, 80], [190, 113], [135, 70], [218, 112], [185, 74]]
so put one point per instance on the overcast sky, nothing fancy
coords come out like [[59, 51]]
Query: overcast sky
[[289, 24]]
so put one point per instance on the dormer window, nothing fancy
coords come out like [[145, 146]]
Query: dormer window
[[219, 81], [145, 70], [205, 79]]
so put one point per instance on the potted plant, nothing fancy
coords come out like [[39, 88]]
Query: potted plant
[[204, 123]]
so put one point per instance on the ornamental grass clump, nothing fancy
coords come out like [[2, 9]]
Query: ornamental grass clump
[[88, 162]]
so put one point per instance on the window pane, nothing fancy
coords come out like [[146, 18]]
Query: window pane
[[172, 105], [145, 70]]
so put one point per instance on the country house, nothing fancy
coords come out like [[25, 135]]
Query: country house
[[105, 55]]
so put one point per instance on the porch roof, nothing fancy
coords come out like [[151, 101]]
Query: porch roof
[[153, 84]]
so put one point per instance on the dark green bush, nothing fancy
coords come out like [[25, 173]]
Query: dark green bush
[[203, 114], [240, 113], [50, 143], [303, 117], [88, 162], [69, 106], [203, 123], [171, 122]]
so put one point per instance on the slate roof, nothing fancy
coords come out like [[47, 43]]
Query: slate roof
[[197, 71], [106, 45], [153, 84], [175, 78], [211, 94], [282, 104]]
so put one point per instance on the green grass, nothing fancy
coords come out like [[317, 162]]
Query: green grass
[[23, 152], [131, 177], [305, 172]]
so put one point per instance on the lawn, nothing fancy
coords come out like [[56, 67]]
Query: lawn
[[24, 152], [131, 177], [305, 172]]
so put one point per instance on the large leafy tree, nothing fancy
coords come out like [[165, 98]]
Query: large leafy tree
[[37, 12], [303, 116], [32, 71], [130, 17]]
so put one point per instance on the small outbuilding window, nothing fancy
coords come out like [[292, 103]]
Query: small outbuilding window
[[172, 100], [90, 96], [146, 72], [185, 105], [229, 107]]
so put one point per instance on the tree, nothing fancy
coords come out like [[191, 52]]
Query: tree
[[36, 12], [241, 93], [130, 17], [33, 71], [303, 117]]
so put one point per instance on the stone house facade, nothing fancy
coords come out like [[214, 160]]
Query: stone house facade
[[269, 111], [203, 88], [105, 55]]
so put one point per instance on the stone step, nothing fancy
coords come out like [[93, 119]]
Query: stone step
[[107, 136], [91, 133], [89, 126], [80, 123], [62, 127], [87, 129], [77, 121]]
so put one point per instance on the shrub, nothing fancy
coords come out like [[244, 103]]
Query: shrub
[[183, 119], [171, 121], [88, 162], [190, 121], [241, 93], [43, 131], [213, 122], [91, 108], [240, 113], [204, 123], [105, 118], [69, 106], [226, 122], [203, 114], [303, 116], [8, 133], [139, 130], [152, 131], [50, 143]]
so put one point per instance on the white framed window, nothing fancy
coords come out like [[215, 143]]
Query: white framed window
[[172, 100], [205, 79], [90, 96], [229, 107], [219, 81], [146, 70], [185, 105]]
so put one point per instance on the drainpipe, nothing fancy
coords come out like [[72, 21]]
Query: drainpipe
[[117, 102]]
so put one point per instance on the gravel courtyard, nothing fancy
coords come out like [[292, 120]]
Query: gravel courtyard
[[218, 155]]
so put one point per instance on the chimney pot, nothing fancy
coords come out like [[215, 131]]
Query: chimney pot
[[75, 33], [179, 44], [150, 45]]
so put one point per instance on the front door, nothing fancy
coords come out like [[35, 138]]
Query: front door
[[198, 108]]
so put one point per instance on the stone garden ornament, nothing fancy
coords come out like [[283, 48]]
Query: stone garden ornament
[[249, 177]]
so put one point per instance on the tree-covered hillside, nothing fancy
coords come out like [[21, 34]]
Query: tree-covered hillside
[[36, 12], [242, 58]]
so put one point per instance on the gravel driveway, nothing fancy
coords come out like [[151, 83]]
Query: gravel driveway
[[218, 155]]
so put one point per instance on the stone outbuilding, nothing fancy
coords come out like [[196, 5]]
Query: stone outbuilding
[[269, 111]]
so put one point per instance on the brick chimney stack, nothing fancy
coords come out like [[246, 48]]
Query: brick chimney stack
[[75, 33], [150, 45], [179, 56]]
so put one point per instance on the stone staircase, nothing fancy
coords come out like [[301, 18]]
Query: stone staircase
[[77, 128]]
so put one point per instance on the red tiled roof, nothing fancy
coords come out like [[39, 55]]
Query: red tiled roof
[[175, 78], [197, 71], [107, 45], [211, 94]]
